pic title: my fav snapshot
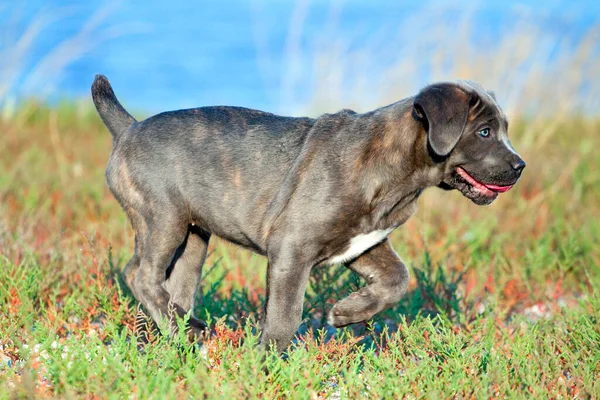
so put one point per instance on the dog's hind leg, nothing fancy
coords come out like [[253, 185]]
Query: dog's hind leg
[[160, 244], [132, 267], [139, 226], [387, 279], [185, 272]]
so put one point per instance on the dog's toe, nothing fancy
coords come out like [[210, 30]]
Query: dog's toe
[[197, 330], [357, 307], [338, 318]]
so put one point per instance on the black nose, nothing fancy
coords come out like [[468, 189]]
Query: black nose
[[518, 164]]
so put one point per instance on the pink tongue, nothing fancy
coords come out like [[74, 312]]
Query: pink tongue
[[475, 182], [499, 189]]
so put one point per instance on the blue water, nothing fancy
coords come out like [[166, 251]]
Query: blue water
[[175, 54]]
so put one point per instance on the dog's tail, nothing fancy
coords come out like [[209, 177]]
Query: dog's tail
[[114, 116]]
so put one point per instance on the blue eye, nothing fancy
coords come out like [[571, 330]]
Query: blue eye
[[484, 132]]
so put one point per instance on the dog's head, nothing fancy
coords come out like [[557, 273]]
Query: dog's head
[[467, 136]]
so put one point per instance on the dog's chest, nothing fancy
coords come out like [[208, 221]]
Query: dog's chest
[[359, 244]]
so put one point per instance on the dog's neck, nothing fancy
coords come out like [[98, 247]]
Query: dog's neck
[[398, 162]]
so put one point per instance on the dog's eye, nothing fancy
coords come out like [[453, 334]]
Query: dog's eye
[[484, 132]]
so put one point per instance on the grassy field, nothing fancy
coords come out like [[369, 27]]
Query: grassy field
[[504, 300]]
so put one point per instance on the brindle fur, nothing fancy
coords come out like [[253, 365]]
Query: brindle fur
[[296, 190]]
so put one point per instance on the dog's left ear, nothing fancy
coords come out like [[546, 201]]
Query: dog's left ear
[[443, 108]]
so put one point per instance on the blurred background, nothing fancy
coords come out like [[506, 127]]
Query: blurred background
[[301, 56], [531, 256], [534, 245], [306, 57]]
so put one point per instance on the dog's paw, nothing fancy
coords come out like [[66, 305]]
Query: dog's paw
[[197, 330], [358, 307], [336, 319]]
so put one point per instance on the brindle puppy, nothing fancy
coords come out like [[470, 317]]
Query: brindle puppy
[[303, 192]]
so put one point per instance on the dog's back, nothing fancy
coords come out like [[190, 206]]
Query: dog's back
[[233, 150]]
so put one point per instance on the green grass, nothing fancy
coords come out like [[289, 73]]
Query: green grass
[[503, 302]]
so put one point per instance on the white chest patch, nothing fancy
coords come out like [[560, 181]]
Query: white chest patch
[[359, 244]]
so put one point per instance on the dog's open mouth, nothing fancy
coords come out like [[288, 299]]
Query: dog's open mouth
[[480, 186], [480, 193]]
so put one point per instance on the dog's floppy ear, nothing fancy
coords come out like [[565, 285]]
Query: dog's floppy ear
[[443, 108]]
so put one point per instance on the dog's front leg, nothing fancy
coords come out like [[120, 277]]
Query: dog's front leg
[[287, 277], [387, 279]]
